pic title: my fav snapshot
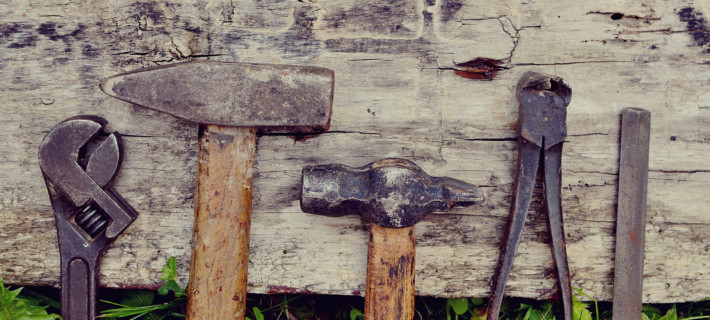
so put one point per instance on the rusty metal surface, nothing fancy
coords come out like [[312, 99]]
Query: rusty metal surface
[[542, 129], [543, 109], [274, 98], [631, 213], [393, 193], [79, 160]]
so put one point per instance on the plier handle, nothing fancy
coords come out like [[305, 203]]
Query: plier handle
[[542, 129]]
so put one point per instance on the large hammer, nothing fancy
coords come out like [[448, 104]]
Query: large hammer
[[232, 101], [392, 194]]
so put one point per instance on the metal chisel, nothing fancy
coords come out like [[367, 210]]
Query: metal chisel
[[631, 213]]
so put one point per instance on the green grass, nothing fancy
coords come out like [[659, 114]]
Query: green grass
[[169, 303], [14, 305]]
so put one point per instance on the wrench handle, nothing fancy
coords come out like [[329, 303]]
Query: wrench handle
[[390, 274], [79, 289], [220, 239]]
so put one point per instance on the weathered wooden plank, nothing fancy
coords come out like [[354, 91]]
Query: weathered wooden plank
[[396, 96]]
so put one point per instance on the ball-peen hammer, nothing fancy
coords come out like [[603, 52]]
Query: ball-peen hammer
[[231, 102], [392, 195]]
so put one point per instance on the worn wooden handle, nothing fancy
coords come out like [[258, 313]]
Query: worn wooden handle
[[220, 240], [390, 274]]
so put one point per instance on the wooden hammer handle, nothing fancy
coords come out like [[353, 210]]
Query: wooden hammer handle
[[220, 240], [390, 274]]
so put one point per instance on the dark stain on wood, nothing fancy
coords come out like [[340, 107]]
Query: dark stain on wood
[[275, 289], [89, 51], [696, 26], [8, 29], [25, 38], [49, 30], [402, 267], [380, 46], [28, 41], [29, 36], [125, 62], [147, 10], [387, 18], [616, 16], [222, 139], [449, 8], [428, 18], [195, 30], [298, 42]]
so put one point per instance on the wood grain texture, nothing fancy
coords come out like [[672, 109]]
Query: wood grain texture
[[220, 241], [396, 95], [389, 292]]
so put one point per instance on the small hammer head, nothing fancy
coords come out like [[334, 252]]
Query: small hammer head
[[393, 193], [273, 98]]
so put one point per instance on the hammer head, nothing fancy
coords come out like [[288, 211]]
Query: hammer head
[[393, 193], [278, 98]]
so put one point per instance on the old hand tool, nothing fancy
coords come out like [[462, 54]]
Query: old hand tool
[[631, 213], [79, 161], [231, 101], [542, 129], [393, 195]]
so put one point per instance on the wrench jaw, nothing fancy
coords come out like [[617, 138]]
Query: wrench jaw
[[79, 160]]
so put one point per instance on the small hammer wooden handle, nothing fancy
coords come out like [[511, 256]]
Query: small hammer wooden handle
[[390, 274], [220, 240]]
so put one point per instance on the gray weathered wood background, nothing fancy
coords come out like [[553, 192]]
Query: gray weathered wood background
[[396, 95]]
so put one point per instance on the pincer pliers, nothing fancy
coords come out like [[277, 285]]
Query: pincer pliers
[[542, 130]]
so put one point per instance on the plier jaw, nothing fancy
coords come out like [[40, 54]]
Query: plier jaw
[[543, 108], [542, 129]]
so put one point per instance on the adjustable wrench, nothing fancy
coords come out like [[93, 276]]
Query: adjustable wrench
[[78, 161]]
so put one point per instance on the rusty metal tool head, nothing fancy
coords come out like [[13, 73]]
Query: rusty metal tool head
[[543, 108], [79, 161], [232, 101], [542, 129], [273, 98], [393, 195]]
